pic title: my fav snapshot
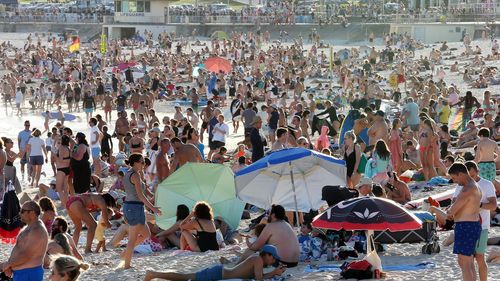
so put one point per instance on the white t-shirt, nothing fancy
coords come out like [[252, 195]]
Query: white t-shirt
[[36, 146], [19, 97], [93, 137], [487, 191], [218, 136]]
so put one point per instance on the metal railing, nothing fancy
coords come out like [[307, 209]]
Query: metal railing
[[60, 18]]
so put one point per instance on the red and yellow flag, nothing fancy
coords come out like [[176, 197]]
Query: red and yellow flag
[[75, 45]]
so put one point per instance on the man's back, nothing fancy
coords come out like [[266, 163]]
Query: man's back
[[32, 242], [284, 238]]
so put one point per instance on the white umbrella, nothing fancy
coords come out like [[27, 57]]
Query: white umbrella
[[293, 178]]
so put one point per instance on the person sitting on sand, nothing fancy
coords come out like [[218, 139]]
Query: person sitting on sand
[[397, 190], [468, 135], [231, 237], [60, 226], [67, 268], [59, 245], [79, 208], [49, 212], [251, 268], [199, 220], [173, 234]]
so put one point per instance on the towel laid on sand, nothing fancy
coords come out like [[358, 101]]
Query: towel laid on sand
[[336, 267]]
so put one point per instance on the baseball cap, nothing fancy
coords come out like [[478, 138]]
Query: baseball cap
[[364, 181], [155, 129], [272, 250]]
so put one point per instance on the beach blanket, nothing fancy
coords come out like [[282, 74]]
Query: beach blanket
[[336, 267], [438, 181]]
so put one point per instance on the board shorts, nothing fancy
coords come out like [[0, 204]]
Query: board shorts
[[36, 160], [89, 110], [204, 125], [213, 273], [120, 108], [482, 242], [487, 170], [134, 213], [28, 274], [467, 234], [96, 152], [107, 109], [215, 145]]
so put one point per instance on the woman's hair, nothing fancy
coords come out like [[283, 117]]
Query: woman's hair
[[110, 200], [350, 134], [70, 266], [134, 158], [258, 229], [62, 241], [36, 133], [395, 122], [46, 204], [190, 133], [182, 212], [2, 142], [65, 140], [80, 137], [62, 222], [382, 149], [428, 122], [203, 211]]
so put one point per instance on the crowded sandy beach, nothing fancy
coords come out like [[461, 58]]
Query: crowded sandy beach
[[243, 156]]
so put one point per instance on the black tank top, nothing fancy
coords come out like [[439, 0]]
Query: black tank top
[[207, 240]]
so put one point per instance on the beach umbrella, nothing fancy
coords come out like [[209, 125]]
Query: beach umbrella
[[369, 214], [218, 64], [293, 178], [193, 182], [10, 219]]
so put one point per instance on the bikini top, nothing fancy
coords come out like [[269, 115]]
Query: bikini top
[[133, 145], [64, 158]]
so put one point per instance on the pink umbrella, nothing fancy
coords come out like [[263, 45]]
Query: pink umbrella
[[218, 64]]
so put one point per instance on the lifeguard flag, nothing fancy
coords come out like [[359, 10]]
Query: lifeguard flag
[[75, 45]]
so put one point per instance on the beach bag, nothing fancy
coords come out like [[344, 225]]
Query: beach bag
[[357, 270]]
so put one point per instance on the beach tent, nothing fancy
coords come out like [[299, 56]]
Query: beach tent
[[193, 182], [293, 178], [219, 35]]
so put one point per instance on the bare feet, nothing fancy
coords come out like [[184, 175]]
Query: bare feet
[[148, 276], [88, 251], [449, 240]]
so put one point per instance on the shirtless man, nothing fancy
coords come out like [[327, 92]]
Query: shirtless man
[[280, 234], [465, 213], [184, 153], [379, 130], [162, 160], [108, 105], [135, 99], [251, 268], [122, 128], [400, 192], [206, 115], [26, 259], [485, 155]]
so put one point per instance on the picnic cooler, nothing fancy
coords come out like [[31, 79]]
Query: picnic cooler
[[427, 234]]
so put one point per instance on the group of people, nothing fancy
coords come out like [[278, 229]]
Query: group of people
[[270, 93]]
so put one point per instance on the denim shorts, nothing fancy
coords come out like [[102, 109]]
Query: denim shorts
[[134, 212], [96, 152], [88, 110], [36, 160]]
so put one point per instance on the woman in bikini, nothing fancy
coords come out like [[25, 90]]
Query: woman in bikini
[[49, 212], [395, 145], [79, 208], [352, 157], [63, 158], [136, 143], [426, 135]]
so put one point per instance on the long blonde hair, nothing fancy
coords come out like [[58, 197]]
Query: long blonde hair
[[70, 266]]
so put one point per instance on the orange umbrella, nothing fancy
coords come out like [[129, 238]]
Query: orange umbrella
[[217, 64]]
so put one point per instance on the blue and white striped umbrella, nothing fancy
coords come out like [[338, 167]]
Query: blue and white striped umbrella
[[291, 177]]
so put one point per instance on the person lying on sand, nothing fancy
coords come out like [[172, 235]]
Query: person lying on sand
[[251, 268]]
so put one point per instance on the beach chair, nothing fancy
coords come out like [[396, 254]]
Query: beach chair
[[427, 234]]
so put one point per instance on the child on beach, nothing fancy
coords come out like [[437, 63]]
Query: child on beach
[[99, 232]]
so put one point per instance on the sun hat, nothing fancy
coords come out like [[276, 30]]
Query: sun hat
[[272, 250]]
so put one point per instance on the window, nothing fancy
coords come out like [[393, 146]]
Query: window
[[118, 6], [147, 6], [132, 6], [140, 6]]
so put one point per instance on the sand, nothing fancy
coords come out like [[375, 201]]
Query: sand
[[105, 265]]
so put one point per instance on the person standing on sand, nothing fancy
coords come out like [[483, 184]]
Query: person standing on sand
[[162, 160], [465, 212], [485, 155], [184, 153], [133, 208], [26, 259], [251, 268]]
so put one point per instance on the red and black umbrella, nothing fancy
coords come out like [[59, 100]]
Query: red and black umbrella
[[367, 213]]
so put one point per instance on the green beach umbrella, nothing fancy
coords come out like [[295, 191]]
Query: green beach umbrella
[[193, 182]]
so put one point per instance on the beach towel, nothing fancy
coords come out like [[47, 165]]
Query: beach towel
[[438, 181], [336, 267], [323, 141]]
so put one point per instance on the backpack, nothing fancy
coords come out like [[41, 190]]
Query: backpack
[[357, 270]]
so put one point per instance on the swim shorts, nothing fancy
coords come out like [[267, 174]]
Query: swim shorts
[[213, 273], [482, 242], [36, 160], [467, 234], [96, 152], [28, 274], [487, 170], [89, 110]]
